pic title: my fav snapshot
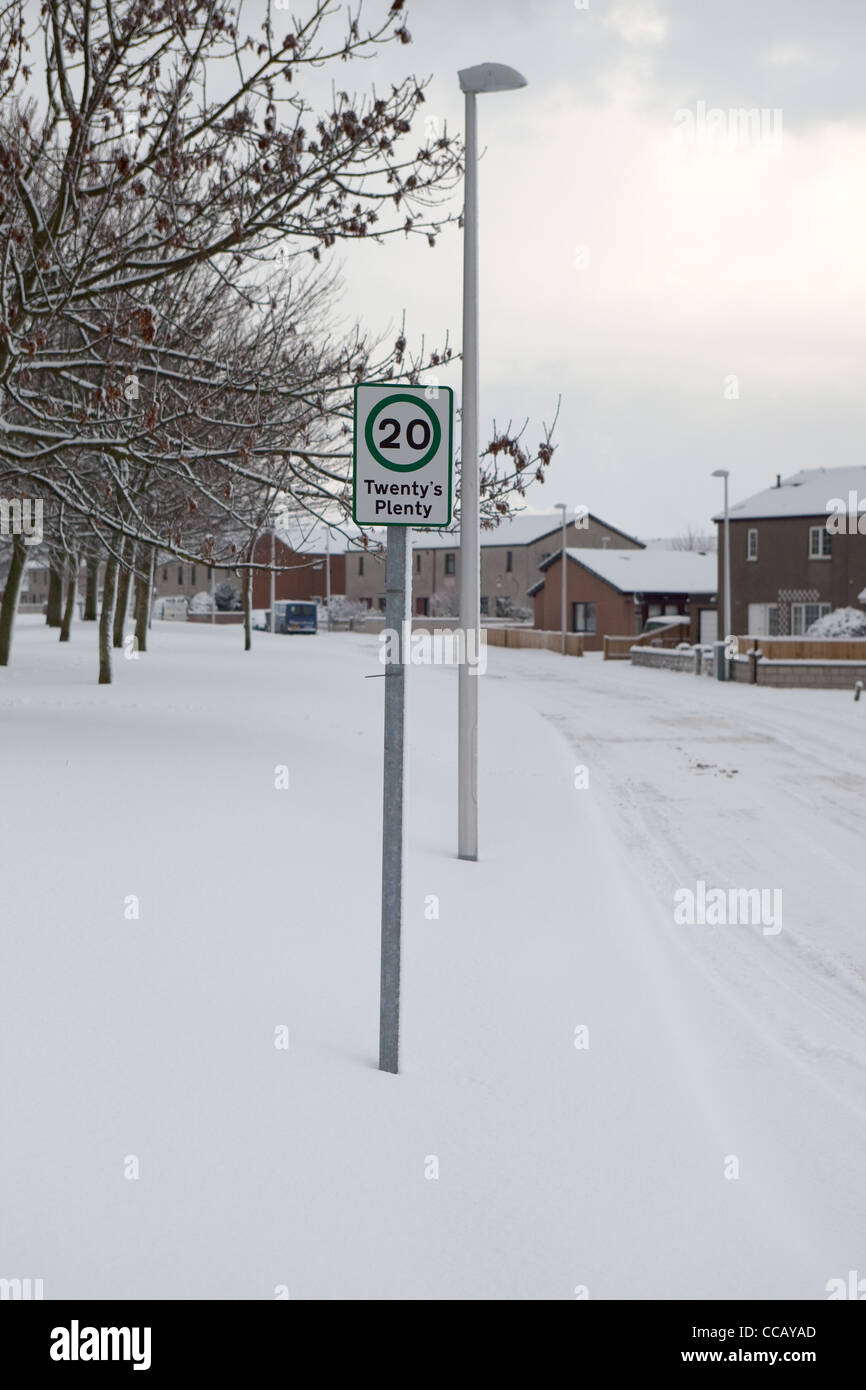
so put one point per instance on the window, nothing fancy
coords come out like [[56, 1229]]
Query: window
[[360, 564], [509, 561], [449, 562], [752, 544], [381, 603], [192, 574], [421, 607], [583, 617], [803, 615], [485, 606], [165, 575], [418, 563], [819, 543], [180, 574]]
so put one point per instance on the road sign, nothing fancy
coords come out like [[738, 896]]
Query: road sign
[[403, 455]]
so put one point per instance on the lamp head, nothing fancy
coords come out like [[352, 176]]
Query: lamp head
[[490, 77]]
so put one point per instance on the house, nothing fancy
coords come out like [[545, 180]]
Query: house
[[613, 592], [510, 556], [312, 564], [301, 551], [797, 551]]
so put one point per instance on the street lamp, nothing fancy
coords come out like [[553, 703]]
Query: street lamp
[[486, 77], [561, 506], [723, 473]]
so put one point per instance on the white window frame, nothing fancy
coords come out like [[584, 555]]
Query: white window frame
[[752, 551], [819, 553], [799, 621]]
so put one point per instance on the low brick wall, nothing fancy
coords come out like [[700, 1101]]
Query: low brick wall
[[801, 675], [668, 660], [222, 618]]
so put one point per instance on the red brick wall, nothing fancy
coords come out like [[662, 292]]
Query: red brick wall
[[299, 580], [784, 563], [616, 614], [614, 611]]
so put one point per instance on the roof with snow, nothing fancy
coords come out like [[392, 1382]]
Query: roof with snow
[[806, 493], [305, 534], [308, 535], [648, 571], [524, 528]]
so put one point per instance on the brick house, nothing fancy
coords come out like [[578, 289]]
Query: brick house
[[510, 557], [302, 572], [792, 558], [301, 555], [613, 592]]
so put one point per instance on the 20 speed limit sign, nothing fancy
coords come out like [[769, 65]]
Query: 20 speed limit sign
[[403, 455]]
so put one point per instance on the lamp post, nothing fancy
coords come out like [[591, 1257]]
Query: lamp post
[[328, 574], [724, 473], [561, 506], [273, 579], [486, 77]]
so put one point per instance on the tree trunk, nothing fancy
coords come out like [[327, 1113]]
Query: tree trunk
[[69, 610], [92, 589], [9, 605], [150, 573], [54, 614], [123, 582], [142, 606], [106, 620], [248, 609]]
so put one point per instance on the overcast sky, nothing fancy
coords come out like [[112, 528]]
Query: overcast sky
[[704, 260]]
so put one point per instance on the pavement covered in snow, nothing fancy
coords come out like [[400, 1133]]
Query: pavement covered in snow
[[505, 1162]]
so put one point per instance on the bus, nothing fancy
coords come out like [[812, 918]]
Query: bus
[[295, 615]]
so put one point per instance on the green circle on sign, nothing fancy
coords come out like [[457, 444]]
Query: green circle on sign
[[431, 416]]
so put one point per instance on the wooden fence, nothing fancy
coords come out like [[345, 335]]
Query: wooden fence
[[535, 638], [805, 648]]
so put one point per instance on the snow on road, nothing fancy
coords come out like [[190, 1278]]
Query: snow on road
[[559, 1168]]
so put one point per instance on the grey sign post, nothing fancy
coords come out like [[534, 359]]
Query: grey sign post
[[398, 590], [401, 478]]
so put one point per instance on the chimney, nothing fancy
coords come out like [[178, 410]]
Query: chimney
[[778, 480]]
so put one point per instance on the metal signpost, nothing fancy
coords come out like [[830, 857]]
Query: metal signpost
[[401, 478]]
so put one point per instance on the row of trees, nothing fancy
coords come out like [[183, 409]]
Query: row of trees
[[170, 376]]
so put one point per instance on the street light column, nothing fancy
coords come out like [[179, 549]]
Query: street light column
[[729, 617], [470, 549], [726, 615], [563, 595], [486, 77]]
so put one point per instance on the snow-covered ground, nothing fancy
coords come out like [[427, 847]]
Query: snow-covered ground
[[711, 1049]]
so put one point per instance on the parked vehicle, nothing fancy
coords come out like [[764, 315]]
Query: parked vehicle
[[295, 615]]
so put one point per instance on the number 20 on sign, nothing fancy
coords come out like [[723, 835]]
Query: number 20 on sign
[[403, 455]]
